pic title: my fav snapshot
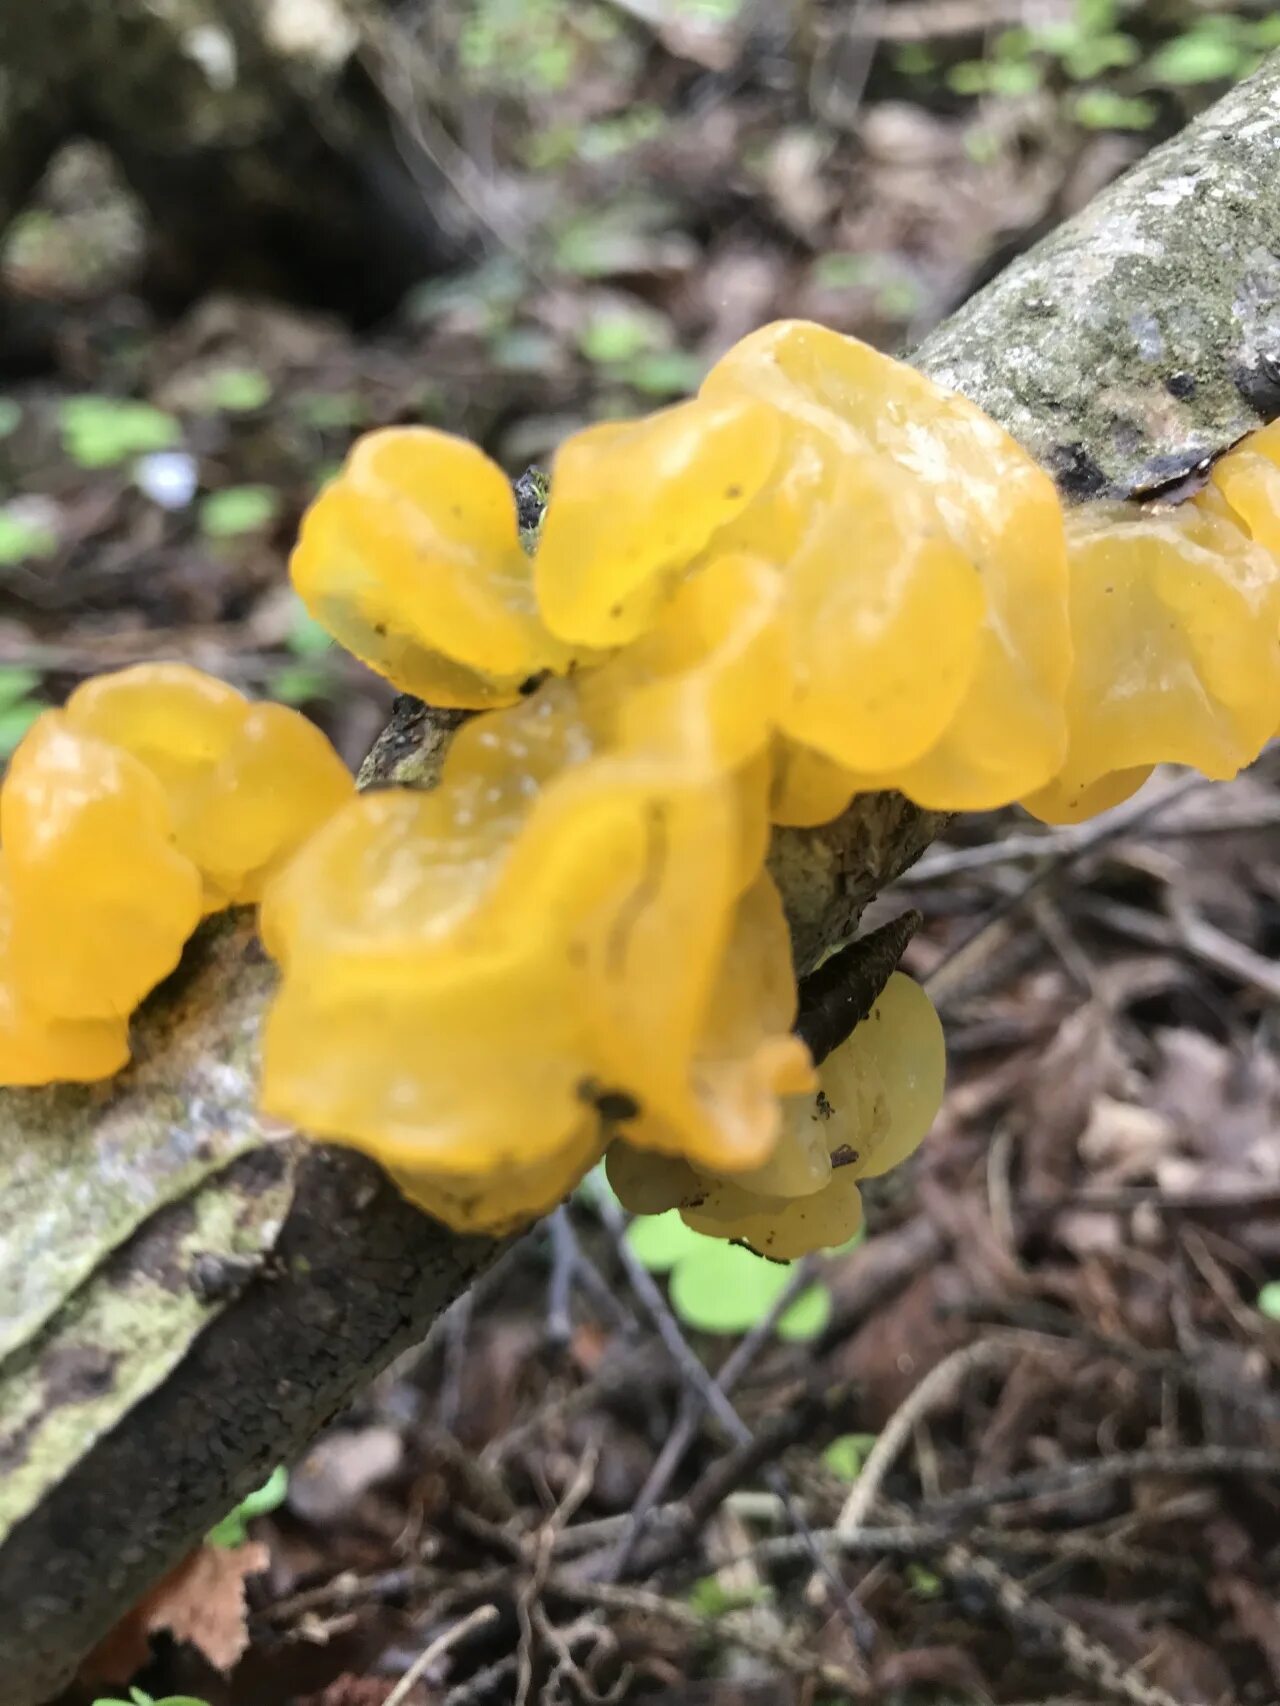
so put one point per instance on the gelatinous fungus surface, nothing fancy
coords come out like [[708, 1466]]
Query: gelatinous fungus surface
[[823, 575], [156, 795]]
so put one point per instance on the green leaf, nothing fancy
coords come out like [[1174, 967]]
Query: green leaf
[[914, 59], [10, 416], [1200, 56], [845, 1456], [15, 720], [237, 510], [710, 1599], [21, 539], [298, 683], [722, 1288], [665, 373], [806, 1317], [1103, 53], [620, 334], [100, 432], [329, 410], [840, 271], [523, 349], [496, 283], [1269, 1300], [1103, 109], [661, 1240], [994, 77], [16, 681], [233, 1530], [924, 1584], [238, 390], [140, 1697]]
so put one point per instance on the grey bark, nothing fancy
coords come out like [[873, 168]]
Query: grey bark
[[188, 1296]]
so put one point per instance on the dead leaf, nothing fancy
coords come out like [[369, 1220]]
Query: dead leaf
[[1123, 1141], [1227, 1103], [201, 1602], [1082, 1064]]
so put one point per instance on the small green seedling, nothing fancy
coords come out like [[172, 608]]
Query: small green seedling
[[140, 1697], [846, 1456], [233, 1530], [237, 390]]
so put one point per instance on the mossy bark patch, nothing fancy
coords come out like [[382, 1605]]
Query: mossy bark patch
[[1143, 336], [82, 1167], [126, 1328]]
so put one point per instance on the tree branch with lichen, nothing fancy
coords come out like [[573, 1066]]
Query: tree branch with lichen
[[186, 1294]]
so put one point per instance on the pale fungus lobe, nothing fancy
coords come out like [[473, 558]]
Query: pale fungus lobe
[[877, 1095], [156, 795], [1176, 617]]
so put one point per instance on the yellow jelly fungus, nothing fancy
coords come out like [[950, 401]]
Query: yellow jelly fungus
[[102, 899], [1247, 481], [633, 503], [572, 926], [822, 575], [37, 1049], [411, 558], [807, 788], [157, 794], [878, 1094], [928, 574], [1176, 614], [246, 783]]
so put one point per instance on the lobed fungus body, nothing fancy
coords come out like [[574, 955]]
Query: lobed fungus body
[[154, 796], [571, 934], [820, 576], [877, 1096]]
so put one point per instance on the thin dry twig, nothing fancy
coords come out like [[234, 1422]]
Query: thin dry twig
[[1071, 1477], [938, 1387], [692, 1406], [955, 966], [477, 1619], [730, 1625], [699, 1380]]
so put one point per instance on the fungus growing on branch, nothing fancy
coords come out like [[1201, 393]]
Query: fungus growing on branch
[[823, 575], [156, 795], [878, 1093]]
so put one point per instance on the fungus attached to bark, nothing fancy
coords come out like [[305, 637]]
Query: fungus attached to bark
[[822, 575], [156, 795]]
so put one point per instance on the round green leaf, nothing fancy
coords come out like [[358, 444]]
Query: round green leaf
[[661, 1240], [721, 1288], [807, 1316]]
